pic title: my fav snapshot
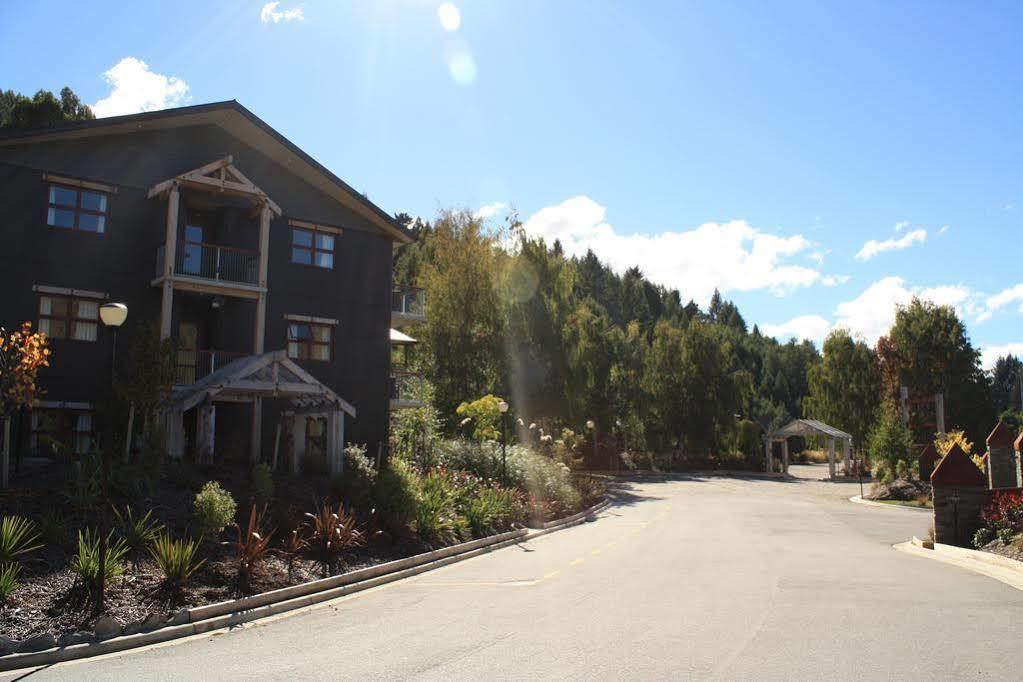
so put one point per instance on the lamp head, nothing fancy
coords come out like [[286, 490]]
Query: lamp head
[[503, 406], [113, 314]]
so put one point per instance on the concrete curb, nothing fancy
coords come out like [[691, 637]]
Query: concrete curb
[[1003, 569], [872, 503], [230, 613]]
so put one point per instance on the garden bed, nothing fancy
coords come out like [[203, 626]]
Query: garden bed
[[399, 513]]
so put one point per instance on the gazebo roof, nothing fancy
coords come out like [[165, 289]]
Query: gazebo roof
[[271, 374], [809, 427]]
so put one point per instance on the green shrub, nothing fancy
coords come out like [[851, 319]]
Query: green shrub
[[889, 441], [262, 484], [982, 537], [354, 486], [436, 518], [86, 565], [902, 469], [138, 532], [53, 526], [177, 559], [1005, 535], [18, 536], [395, 494], [527, 471], [84, 488], [9, 580], [492, 510], [213, 509]]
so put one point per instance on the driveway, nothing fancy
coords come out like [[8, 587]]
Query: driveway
[[692, 578]]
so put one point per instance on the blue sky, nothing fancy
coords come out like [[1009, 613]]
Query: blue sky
[[757, 147]]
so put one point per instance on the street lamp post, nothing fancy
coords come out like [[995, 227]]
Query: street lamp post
[[593, 431], [503, 406], [113, 316]]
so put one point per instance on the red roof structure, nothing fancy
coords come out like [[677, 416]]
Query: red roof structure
[[956, 468], [1000, 436]]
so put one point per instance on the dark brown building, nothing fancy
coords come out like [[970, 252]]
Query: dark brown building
[[269, 274]]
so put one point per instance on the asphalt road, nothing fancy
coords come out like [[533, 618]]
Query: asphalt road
[[685, 579]]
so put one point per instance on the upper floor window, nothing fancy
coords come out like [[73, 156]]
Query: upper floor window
[[66, 317], [71, 208], [312, 247], [310, 341]]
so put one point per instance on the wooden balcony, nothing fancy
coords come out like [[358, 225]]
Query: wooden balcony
[[401, 389], [192, 364]]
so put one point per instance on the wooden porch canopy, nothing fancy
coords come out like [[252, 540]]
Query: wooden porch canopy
[[220, 177], [250, 379], [808, 428]]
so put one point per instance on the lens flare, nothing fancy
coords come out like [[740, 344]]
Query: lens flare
[[450, 17]]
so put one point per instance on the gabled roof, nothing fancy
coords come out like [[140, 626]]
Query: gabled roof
[[271, 374], [956, 468], [1000, 436], [240, 122], [809, 427]]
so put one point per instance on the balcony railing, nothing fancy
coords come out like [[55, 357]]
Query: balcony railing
[[403, 385], [193, 364], [409, 301], [213, 262]]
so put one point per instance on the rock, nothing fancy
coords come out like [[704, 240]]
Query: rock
[[132, 628], [153, 621], [179, 618], [106, 627], [72, 638], [7, 645], [44, 640]]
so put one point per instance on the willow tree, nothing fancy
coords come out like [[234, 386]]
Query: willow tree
[[843, 387], [464, 331]]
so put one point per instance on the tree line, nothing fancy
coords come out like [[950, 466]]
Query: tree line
[[568, 341]]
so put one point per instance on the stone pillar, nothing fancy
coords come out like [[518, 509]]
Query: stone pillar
[[960, 493], [206, 428], [831, 457], [847, 456], [926, 461], [297, 442], [1003, 469], [785, 456]]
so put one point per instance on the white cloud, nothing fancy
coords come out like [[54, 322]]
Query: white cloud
[[450, 17], [1003, 298], [1008, 207], [732, 256], [134, 88], [269, 13], [834, 280], [874, 247], [491, 210], [871, 314], [990, 354], [944, 229], [813, 327], [902, 224]]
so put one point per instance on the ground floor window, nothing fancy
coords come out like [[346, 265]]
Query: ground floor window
[[60, 432], [310, 341]]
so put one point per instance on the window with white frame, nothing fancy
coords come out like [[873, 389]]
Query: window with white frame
[[68, 317], [71, 208]]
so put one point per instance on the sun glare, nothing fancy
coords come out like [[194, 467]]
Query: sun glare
[[450, 17]]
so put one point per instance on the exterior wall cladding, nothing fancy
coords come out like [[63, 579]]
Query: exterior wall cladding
[[122, 263]]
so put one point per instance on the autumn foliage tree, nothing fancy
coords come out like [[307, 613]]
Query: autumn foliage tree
[[22, 354]]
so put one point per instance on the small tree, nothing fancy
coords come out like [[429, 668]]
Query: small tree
[[150, 377], [889, 441], [485, 414], [22, 354]]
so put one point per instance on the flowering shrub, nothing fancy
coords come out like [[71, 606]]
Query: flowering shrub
[[1004, 511]]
